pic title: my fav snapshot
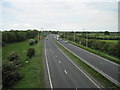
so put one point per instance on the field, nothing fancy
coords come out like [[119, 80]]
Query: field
[[111, 41], [33, 71], [98, 35]]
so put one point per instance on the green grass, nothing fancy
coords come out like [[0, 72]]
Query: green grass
[[111, 58], [19, 47], [102, 80], [0, 58], [111, 41], [33, 71]]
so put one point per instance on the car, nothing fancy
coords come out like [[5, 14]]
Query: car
[[46, 38], [66, 42], [57, 39]]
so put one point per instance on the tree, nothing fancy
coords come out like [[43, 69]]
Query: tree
[[107, 33], [13, 56]]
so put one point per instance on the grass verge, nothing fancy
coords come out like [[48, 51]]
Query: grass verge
[[106, 56], [33, 71], [102, 80]]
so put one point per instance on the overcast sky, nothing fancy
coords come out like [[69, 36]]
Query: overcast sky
[[74, 15]]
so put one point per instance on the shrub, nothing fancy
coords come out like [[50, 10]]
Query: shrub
[[10, 75], [17, 63], [13, 56], [31, 42], [31, 52], [36, 41]]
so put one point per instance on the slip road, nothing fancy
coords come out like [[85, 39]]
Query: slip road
[[62, 72]]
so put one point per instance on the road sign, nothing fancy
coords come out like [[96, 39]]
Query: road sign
[[41, 35]]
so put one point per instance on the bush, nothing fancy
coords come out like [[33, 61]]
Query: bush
[[31, 52], [31, 42], [17, 63], [36, 41], [13, 56], [10, 75]]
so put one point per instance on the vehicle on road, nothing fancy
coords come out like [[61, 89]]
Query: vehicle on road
[[57, 39], [66, 42]]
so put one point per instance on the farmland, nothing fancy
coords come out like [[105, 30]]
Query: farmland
[[111, 41]]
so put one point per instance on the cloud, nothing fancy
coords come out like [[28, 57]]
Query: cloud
[[59, 15], [61, 0]]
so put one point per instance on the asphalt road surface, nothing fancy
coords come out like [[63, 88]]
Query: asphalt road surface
[[106, 66], [62, 72]]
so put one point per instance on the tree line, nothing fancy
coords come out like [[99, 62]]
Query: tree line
[[112, 49], [17, 36]]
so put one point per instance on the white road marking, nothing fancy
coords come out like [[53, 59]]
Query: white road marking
[[78, 67], [65, 72], [56, 56], [48, 70], [96, 55], [95, 68], [59, 61]]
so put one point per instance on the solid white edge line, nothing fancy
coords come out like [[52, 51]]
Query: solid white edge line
[[95, 68], [48, 68], [79, 68], [95, 55]]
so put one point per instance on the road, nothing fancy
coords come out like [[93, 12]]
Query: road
[[62, 72], [106, 67]]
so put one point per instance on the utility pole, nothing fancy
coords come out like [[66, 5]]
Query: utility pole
[[86, 38], [67, 35], [64, 35], [74, 36], [38, 38]]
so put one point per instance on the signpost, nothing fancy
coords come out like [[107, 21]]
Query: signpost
[[41, 35]]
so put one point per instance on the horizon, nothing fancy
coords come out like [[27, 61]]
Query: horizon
[[59, 30], [58, 16]]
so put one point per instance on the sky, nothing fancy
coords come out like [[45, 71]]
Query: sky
[[59, 15]]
